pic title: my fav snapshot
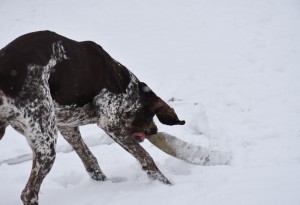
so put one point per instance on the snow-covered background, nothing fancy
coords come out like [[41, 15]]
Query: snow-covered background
[[232, 69]]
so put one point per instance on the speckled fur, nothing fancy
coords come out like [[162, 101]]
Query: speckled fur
[[34, 114], [111, 108]]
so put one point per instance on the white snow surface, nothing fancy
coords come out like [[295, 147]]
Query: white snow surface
[[232, 70]]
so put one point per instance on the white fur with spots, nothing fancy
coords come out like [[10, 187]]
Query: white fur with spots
[[34, 114]]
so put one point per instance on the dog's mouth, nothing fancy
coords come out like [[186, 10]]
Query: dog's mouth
[[140, 136]]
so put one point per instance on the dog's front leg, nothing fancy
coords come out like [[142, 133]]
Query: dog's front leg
[[73, 137], [136, 150]]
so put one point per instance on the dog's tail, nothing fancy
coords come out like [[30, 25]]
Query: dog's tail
[[59, 52], [58, 55]]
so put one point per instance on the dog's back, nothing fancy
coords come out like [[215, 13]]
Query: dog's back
[[86, 65], [32, 48]]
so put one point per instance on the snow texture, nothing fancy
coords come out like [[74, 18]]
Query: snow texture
[[229, 68]]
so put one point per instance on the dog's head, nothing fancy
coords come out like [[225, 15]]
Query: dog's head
[[140, 122]]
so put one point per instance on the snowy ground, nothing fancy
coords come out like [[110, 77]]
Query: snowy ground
[[233, 68]]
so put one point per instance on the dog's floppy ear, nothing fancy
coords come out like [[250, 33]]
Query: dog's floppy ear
[[157, 106], [165, 113]]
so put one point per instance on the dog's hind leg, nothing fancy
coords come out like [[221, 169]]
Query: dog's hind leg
[[73, 137], [43, 148], [36, 121], [37, 124], [146, 161]]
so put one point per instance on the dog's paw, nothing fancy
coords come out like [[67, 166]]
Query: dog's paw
[[98, 176], [158, 176]]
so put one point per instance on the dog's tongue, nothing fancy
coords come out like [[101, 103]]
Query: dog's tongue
[[140, 135]]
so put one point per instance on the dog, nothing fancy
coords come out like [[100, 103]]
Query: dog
[[49, 83]]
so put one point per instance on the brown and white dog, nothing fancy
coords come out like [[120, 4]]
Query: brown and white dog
[[49, 82]]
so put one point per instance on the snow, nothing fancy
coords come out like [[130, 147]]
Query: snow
[[232, 71]]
